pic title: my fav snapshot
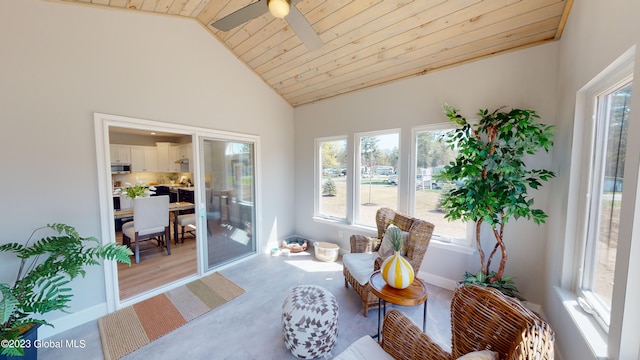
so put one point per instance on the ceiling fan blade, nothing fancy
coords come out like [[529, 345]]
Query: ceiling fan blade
[[241, 16], [303, 29]]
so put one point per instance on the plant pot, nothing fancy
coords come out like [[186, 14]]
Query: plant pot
[[397, 272], [30, 352]]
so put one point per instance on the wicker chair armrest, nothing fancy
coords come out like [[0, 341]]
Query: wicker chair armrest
[[403, 340], [377, 265], [361, 244], [535, 342]]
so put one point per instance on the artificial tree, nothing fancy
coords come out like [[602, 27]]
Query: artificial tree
[[493, 179]]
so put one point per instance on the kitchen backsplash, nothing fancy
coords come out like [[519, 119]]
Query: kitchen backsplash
[[152, 178]]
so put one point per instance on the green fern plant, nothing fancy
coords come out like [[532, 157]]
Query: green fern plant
[[42, 282]]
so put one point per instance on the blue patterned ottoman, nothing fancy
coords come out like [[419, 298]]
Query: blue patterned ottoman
[[310, 321]]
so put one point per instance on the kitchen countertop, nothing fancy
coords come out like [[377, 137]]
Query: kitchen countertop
[[178, 186], [175, 187]]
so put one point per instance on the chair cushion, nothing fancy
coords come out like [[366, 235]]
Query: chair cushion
[[127, 225], [131, 231], [480, 355], [364, 348], [187, 219], [360, 265]]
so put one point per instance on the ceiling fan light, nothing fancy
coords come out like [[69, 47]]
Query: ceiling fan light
[[279, 8]]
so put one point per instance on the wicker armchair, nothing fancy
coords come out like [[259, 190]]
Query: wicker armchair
[[481, 318], [420, 232]]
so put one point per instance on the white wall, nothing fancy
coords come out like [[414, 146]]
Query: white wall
[[60, 63], [524, 79], [596, 34]]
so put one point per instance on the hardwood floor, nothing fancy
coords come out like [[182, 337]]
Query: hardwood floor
[[156, 268]]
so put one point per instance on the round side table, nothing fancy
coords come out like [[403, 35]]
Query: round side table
[[413, 295]]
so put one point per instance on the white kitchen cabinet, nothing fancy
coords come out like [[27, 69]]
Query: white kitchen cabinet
[[173, 157], [120, 154], [167, 157], [184, 153], [144, 158]]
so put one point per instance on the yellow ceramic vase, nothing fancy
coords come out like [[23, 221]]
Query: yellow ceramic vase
[[397, 271]]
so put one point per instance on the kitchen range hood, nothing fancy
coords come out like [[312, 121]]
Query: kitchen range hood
[[182, 161]]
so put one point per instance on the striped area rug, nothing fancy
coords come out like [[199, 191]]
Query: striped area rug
[[130, 328]]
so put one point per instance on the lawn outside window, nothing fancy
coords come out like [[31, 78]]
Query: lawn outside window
[[331, 178], [377, 156], [429, 156]]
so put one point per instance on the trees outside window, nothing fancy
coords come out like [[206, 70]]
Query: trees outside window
[[431, 156], [378, 161], [332, 175]]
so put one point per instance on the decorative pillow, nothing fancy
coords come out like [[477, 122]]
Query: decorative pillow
[[480, 355], [386, 249]]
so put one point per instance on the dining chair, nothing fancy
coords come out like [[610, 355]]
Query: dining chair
[[150, 221], [214, 204], [126, 203], [187, 221]]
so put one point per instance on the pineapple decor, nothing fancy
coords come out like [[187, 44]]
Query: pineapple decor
[[396, 271]]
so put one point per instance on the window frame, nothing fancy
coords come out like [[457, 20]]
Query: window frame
[[624, 322], [597, 147]]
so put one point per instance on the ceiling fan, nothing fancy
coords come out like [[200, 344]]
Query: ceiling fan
[[278, 8]]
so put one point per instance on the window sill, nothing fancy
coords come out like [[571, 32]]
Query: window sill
[[452, 247], [371, 231], [588, 326], [342, 223]]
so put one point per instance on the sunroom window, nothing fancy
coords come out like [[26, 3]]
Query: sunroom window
[[431, 155], [606, 193], [377, 160], [332, 178]]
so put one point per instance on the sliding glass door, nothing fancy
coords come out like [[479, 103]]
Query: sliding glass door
[[229, 182]]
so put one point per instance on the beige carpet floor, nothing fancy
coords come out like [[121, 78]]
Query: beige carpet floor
[[250, 326]]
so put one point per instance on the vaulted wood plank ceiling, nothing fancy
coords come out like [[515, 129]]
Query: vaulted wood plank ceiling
[[367, 42]]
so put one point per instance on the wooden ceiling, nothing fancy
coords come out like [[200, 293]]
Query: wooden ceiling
[[367, 42]]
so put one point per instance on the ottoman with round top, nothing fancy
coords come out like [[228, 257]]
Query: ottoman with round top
[[310, 321]]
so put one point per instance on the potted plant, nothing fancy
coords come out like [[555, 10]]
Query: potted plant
[[492, 179], [46, 268], [173, 177], [140, 189], [396, 271]]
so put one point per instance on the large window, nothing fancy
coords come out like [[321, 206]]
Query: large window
[[353, 191], [377, 160], [431, 155], [609, 145], [332, 178]]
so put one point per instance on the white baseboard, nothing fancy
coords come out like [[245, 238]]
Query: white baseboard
[[72, 320], [438, 280]]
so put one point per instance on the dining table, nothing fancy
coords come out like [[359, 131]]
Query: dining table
[[174, 207]]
